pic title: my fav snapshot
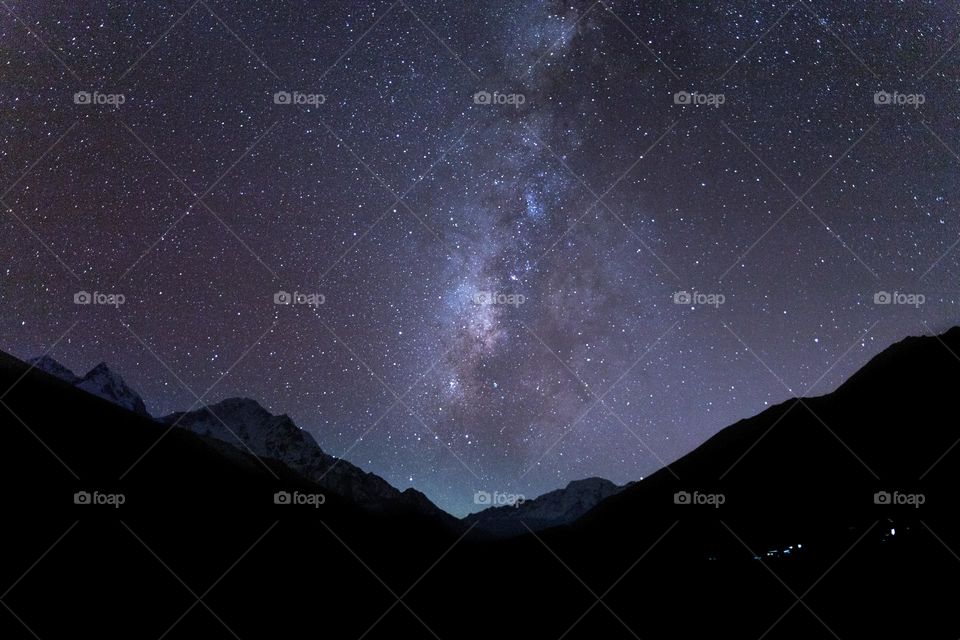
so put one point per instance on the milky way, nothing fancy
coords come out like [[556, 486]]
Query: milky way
[[531, 241]]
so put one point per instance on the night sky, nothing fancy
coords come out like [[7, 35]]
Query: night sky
[[509, 270]]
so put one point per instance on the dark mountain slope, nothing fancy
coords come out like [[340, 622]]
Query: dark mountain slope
[[199, 505], [797, 521], [100, 381], [243, 423], [552, 509]]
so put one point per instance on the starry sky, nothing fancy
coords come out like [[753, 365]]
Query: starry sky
[[532, 241]]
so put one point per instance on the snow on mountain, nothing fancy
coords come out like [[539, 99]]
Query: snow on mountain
[[245, 424], [54, 368], [100, 381]]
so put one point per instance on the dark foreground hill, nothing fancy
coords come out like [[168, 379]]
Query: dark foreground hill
[[771, 529]]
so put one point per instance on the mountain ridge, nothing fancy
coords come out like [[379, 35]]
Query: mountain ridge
[[798, 504], [244, 420], [100, 381]]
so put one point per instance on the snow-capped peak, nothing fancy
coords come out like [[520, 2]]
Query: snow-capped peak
[[102, 382], [49, 365]]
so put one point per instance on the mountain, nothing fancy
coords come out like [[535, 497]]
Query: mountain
[[193, 512], [245, 424], [892, 426], [54, 368], [100, 381], [552, 509], [784, 525]]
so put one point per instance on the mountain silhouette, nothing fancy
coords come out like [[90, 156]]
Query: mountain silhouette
[[821, 517], [100, 381], [245, 424], [552, 509]]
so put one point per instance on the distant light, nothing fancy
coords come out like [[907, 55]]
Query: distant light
[[893, 532]]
